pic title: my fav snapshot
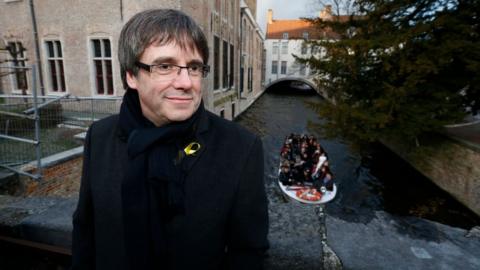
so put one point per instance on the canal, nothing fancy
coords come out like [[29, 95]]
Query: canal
[[376, 181]]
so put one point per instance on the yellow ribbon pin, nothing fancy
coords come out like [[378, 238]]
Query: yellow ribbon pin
[[192, 148]]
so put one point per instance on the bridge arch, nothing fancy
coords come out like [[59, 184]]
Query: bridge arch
[[307, 81]]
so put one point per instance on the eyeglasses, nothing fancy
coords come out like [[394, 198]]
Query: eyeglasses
[[169, 71]]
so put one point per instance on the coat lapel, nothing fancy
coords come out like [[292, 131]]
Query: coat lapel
[[202, 128]]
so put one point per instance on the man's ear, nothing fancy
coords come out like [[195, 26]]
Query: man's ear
[[131, 80]]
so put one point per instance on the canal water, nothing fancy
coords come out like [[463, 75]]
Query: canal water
[[378, 180]]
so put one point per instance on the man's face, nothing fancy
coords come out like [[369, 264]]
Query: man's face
[[164, 101]]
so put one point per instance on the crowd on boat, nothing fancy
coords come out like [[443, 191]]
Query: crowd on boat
[[304, 162]]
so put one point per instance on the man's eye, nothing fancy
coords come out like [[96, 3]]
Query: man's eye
[[195, 68], [164, 67]]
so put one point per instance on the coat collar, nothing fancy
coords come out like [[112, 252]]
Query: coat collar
[[203, 125]]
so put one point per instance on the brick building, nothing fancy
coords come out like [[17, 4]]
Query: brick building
[[74, 44]]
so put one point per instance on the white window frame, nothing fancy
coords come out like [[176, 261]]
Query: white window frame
[[283, 67], [304, 49], [302, 70], [93, 79], [13, 80], [274, 48], [46, 66], [276, 67], [284, 47], [285, 35]]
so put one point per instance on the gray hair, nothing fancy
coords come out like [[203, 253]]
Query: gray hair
[[159, 27]]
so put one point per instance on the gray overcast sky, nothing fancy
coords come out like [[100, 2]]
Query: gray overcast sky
[[283, 9]]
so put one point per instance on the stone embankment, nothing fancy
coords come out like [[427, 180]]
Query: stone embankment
[[451, 164]]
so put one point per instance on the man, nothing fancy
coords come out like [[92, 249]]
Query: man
[[166, 184]]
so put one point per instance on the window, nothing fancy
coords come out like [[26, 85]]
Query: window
[[284, 47], [55, 71], [233, 111], [274, 67], [302, 69], [304, 49], [231, 65], [250, 79], [211, 22], [225, 65], [285, 35], [242, 76], [283, 69], [216, 62], [225, 8], [305, 35], [17, 50], [102, 62], [244, 38], [222, 113], [275, 48]]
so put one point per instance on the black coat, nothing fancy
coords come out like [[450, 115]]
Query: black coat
[[226, 221]]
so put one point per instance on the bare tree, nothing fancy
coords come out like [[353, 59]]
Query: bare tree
[[338, 7]]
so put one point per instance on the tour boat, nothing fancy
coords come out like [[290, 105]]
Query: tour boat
[[306, 193]]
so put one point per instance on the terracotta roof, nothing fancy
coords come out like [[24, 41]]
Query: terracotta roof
[[296, 28]]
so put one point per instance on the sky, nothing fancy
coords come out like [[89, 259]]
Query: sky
[[284, 9]]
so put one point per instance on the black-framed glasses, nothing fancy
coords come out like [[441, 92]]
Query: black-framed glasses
[[168, 71]]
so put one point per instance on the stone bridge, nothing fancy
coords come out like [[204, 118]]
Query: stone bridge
[[309, 80]]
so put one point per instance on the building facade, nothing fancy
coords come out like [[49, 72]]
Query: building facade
[[284, 39], [239, 80], [74, 44]]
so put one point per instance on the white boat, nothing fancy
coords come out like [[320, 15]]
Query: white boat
[[307, 193], [291, 192]]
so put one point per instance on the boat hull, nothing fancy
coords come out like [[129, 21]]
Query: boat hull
[[291, 192]]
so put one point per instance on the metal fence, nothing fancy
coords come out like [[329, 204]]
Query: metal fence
[[31, 130]]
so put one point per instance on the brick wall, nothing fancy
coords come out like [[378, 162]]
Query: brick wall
[[60, 180]]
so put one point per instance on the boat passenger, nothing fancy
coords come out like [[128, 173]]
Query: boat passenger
[[307, 177], [285, 176], [326, 177], [307, 162]]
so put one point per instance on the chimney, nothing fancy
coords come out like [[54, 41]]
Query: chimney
[[269, 16], [326, 13]]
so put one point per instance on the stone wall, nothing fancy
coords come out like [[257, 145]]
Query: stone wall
[[451, 165]]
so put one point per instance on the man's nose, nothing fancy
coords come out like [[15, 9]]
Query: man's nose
[[183, 80]]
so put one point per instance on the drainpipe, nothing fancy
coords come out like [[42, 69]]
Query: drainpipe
[[121, 10], [37, 47]]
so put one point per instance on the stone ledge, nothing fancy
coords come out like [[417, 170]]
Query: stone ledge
[[54, 159], [46, 220]]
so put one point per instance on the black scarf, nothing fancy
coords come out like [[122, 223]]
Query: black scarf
[[153, 187]]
